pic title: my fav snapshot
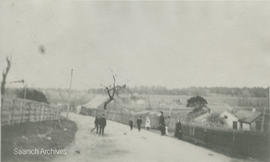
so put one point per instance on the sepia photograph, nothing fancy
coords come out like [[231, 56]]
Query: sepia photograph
[[135, 81]]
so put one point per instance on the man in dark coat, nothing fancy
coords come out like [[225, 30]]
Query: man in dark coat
[[102, 123], [178, 130], [139, 122], [97, 126], [130, 123], [162, 124]]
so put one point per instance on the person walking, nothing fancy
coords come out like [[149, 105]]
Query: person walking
[[147, 123], [130, 123], [162, 124], [97, 126], [102, 123], [139, 122], [178, 130]]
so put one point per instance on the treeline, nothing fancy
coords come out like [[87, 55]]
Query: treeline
[[194, 91]]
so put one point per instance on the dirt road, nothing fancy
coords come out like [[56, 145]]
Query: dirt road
[[122, 145]]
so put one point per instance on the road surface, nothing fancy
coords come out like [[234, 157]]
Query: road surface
[[122, 145]]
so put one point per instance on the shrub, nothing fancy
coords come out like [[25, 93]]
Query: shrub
[[32, 94], [197, 102]]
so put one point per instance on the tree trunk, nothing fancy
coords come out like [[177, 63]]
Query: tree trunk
[[4, 75], [106, 103], [3, 84]]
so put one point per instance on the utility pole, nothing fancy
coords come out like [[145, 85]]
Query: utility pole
[[268, 111], [1, 119], [69, 92], [24, 90]]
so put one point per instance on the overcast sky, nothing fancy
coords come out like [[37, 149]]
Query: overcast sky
[[176, 44]]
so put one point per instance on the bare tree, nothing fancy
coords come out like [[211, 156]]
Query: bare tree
[[4, 76], [112, 90]]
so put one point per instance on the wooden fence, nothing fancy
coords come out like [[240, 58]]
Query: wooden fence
[[16, 110], [232, 142]]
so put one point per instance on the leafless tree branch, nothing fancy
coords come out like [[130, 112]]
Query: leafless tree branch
[[111, 90], [4, 76]]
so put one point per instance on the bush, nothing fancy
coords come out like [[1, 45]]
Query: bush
[[32, 94], [197, 102]]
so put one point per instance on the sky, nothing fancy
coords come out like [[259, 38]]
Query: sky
[[174, 44]]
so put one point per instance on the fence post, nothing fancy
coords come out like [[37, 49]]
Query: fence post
[[29, 112], [22, 113], [12, 112], [41, 112], [233, 142]]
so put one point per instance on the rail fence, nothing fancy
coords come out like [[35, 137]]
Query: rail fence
[[16, 110]]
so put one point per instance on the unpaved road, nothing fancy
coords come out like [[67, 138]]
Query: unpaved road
[[122, 145]]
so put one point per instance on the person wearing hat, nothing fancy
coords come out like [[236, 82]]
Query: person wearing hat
[[139, 122], [162, 123], [102, 123], [97, 126], [130, 123], [178, 130]]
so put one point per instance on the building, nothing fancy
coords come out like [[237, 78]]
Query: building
[[94, 105], [229, 119], [202, 118], [232, 119], [242, 119], [249, 120]]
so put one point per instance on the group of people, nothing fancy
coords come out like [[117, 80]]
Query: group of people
[[139, 123], [163, 129], [100, 124]]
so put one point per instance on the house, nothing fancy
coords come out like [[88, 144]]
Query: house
[[202, 118], [94, 105], [242, 119], [248, 120], [211, 110], [96, 102], [229, 119]]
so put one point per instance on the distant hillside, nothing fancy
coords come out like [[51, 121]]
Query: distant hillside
[[194, 91]]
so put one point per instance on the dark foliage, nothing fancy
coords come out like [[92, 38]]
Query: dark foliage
[[32, 94], [197, 102]]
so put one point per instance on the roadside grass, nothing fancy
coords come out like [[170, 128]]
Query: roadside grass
[[36, 135]]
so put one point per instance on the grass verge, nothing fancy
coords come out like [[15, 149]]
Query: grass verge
[[36, 141]]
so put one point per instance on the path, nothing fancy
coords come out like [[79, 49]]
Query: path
[[122, 145]]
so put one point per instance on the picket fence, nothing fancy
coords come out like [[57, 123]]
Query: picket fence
[[15, 110]]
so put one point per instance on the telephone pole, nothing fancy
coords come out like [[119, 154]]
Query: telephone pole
[[268, 111]]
